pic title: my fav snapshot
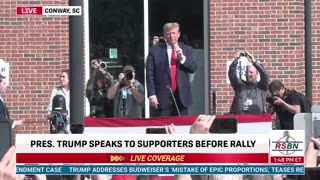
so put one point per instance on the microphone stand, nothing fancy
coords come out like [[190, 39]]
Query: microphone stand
[[174, 100]]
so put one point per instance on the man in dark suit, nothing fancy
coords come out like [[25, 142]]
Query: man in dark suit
[[4, 113], [167, 69]]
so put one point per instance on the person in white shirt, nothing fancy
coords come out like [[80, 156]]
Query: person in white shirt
[[63, 89]]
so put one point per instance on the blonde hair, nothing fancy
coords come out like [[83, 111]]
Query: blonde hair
[[171, 25]]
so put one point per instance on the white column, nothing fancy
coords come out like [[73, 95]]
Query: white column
[[86, 50], [146, 51]]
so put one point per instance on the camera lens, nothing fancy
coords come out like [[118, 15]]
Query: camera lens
[[103, 65], [129, 76], [243, 53]]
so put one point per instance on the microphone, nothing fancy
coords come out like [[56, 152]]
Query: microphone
[[176, 46], [286, 135], [174, 99]]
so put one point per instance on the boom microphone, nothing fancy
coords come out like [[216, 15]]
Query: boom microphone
[[174, 100]]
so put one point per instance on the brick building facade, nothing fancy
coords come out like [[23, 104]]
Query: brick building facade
[[37, 48]]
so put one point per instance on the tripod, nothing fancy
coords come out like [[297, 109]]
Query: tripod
[[58, 124]]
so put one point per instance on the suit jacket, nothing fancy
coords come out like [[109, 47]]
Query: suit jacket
[[4, 113], [159, 78]]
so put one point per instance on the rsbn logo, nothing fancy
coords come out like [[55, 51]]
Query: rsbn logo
[[287, 145]]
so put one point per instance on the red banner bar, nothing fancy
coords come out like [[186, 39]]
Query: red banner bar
[[141, 158], [29, 10], [287, 159]]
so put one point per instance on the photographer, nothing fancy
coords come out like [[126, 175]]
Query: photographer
[[250, 95], [128, 94], [100, 105], [89, 87], [284, 102], [95, 71]]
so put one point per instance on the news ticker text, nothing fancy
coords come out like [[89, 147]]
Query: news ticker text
[[160, 169]]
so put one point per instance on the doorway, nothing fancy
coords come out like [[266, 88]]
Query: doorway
[[117, 36], [190, 15]]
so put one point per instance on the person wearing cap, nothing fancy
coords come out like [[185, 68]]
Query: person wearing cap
[[128, 94], [168, 67]]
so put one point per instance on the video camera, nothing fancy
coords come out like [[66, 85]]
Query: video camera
[[272, 98], [58, 117]]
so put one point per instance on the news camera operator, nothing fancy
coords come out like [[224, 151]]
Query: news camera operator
[[128, 94], [284, 103], [250, 94]]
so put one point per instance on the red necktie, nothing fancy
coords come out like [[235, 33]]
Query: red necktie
[[173, 69]]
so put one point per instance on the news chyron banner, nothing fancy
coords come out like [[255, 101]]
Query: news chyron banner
[[49, 10], [160, 154]]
